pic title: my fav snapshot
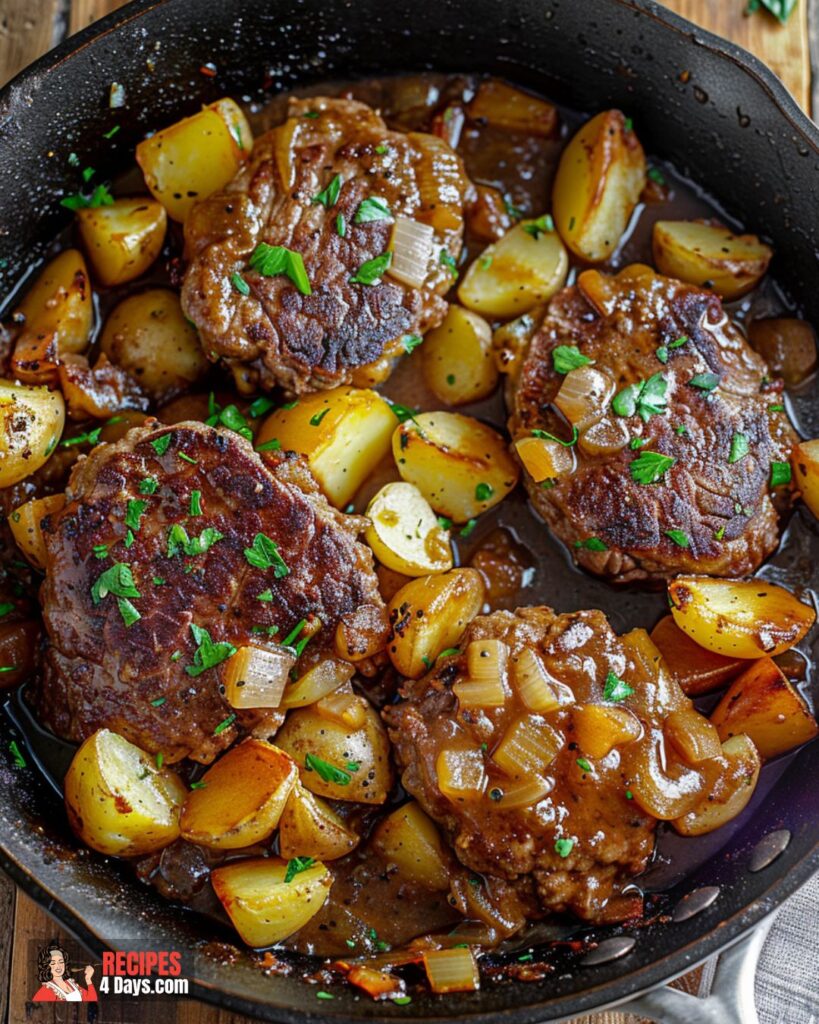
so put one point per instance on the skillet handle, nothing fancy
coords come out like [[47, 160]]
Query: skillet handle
[[731, 999]]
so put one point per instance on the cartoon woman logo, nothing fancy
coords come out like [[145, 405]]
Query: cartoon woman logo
[[57, 986]]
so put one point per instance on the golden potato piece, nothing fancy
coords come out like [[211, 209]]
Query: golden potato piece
[[124, 239], [806, 467], [404, 533], [25, 522], [739, 618], [787, 345], [598, 183], [695, 669], [310, 828], [195, 157], [60, 303], [118, 800], [429, 615], [344, 432], [148, 336], [241, 797], [337, 761], [32, 422], [458, 360], [504, 106], [730, 781], [410, 840], [266, 901], [461, 466], [710, 255], [511, 276], [763, 705]]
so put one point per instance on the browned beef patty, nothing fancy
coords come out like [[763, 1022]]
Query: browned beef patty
[[343, 332], [706, 513], [577, 847], [180, 507]]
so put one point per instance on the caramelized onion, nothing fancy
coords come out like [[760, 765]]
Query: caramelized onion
[[461, 773], [525, 792], [255, 677], [660, 784], [452, 970], [346, 708], [605, 437], [543, 459], [694, 738], [599, 728], [529, 745], [317, 682], [533, 682], [584, 396], [411, 246]]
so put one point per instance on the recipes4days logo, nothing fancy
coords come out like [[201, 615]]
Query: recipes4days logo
[[57, 984]]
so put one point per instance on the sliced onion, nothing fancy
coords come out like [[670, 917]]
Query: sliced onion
[[533, 683], [528, 746], [694, 738], [255, 677], [605, 437], [411, 246], [441, 182], [346, 708], [487, 694], [543, 459], [461, 773], [317, 682], [525, 792], [660, 784], [599, 728], [452, 970], [584, 396]]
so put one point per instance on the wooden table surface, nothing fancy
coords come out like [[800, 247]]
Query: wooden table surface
[[30, 27]]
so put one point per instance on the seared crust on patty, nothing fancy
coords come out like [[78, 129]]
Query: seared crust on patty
[[343, 332], [706, 514], [101, 672]]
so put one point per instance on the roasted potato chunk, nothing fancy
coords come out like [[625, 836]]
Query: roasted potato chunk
[[118, 800], [504, 106], [410, 840], [32, 422], [710, 255], [730, 781], [697, 670], [310, 828], [598, 183], [739, 618], [124, 239], [266, 900], [241, 797], [763, 705], [806, 467], [59, 304], [404, 532], [458, 360], [787, 345]]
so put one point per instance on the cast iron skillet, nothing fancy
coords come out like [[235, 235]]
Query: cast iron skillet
[[709, 107]]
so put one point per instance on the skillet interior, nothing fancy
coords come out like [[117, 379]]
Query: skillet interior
[[729, 125]]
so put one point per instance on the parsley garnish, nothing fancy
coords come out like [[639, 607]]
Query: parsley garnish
[[259, 406], [483, 492], [616, 689], [273, 445], [100, 551], [296, 866], [371, 271], [411, 342], [161, 444], [188, 458], [239, 283], [274, 260], [92, 437], [134, 511], [567, 358], [647, 398], [514, 212], [780, 9], [705, 382], [780, 473], [341, 225], [402, 412], [264, 554], [648, 467], [656, 175], [678, 342], [198, 785], [148, 485], [326, 771], [99, 197], [679, 537], [180, 543], [467, 529], [546, 436], [329, 196], [372, 209], [226, 723], [563, 847], [591, 544], [17, 755], [317, 417], [207, 655], [583, 764], [720, 533], [445, 522], [196, 503], [447, 260], [739, 448], [539, 227], [117, 580], [229, 417], [6, 607], [266, 596]]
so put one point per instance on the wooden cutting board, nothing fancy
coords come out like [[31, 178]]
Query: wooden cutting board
[[27, 29]]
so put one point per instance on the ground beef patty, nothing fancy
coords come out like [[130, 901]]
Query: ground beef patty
[[708, 405], [576, 847], [343, 332], [181, 508]]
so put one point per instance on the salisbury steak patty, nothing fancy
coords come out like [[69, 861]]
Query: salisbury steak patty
[[672, 469], [570, 833], [303, 188], [181, 511]]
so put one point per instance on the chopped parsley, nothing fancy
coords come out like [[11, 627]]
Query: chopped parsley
[[680, 538], [276, 260], [341, 226], [637, 442], [402, 412], [720, 533], [91, 437], [678, 342], [134, 511], [649, 467], [329, 196], [566, 358], [616, 689], [484, 491], [229, 417], [780, 473], [316, 418], [17, 755], [266, 596], [544, 435], [259, 406], [6, 607], [372, 209], [591, 544], [195, 506], [445, 522], [296, 866], [467, 529], [326, 771], [656, 175], [207, 655], [226, 723], [264, 554], [739, 448], [662, 354], [411, 342], [99, 197], [273, 445], [180, 543], [239, 283], [161, 444], [148, 485], [646, 398], [543, 225], [372, 270], [188, 458], [514, 212], [118, 580], [563, 847], [100, 550], [583, 764], [447, 260], [199, 785], [705, 382]]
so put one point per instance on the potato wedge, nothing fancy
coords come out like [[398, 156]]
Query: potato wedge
[[344, 432], [697, 670], [709, 254], [124, 239], [308, 827], [505, 106], [511, 276], [18, 651], [148, 336], [598, 183], [59, 303], [118, 801], [693, 737], [430, 614], [320, 680], [787, 345], [457, 358], [336, 761], [410, 840], [31, 423], [25, 522], [511, 342], [739, 618], [242, 797], [262, 904], [730, 781], [461, 466], [763, 705], [195, 157], [806, 471], [404, 532]]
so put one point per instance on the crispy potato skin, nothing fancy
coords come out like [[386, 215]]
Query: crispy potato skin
[[620, 323], [31, 422], [98, 672]]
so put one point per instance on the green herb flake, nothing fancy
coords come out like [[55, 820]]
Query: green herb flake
[[296, 866], [111, 132], [466, 530], [341, 225], [100, 551], [563, 847], [129, 613], [400, 1000], [264, 554], [382, 150], [776, 408], [705, 382], [628, 125], [316, 418], [591, 544], [411, 342], [259, 406], [276, 260], [199, 785], [402, 412], [371, 272], [134, 511], [326, 771], [328, 197], [646, 398], [239, 283], [273, 445], [514, 212], [780, 474], [662, 354], [583, 764], [99, 197], [148, 485], [195, 506], [656, 175], [265, 597], [447, 260], [17, 755], [566, 358], [739, 448], [187, 458], [117, 580], [780, 9], [161, 444], [637, 442], [92, 437], [444, 522], [679, 342], [324, 995], [372, 209], [616, 689], [720, 533], [484, 491], [543, 225], [208, 654], [546, 436], [629, 795], [649, 467], [226, 723], [680, 538]]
